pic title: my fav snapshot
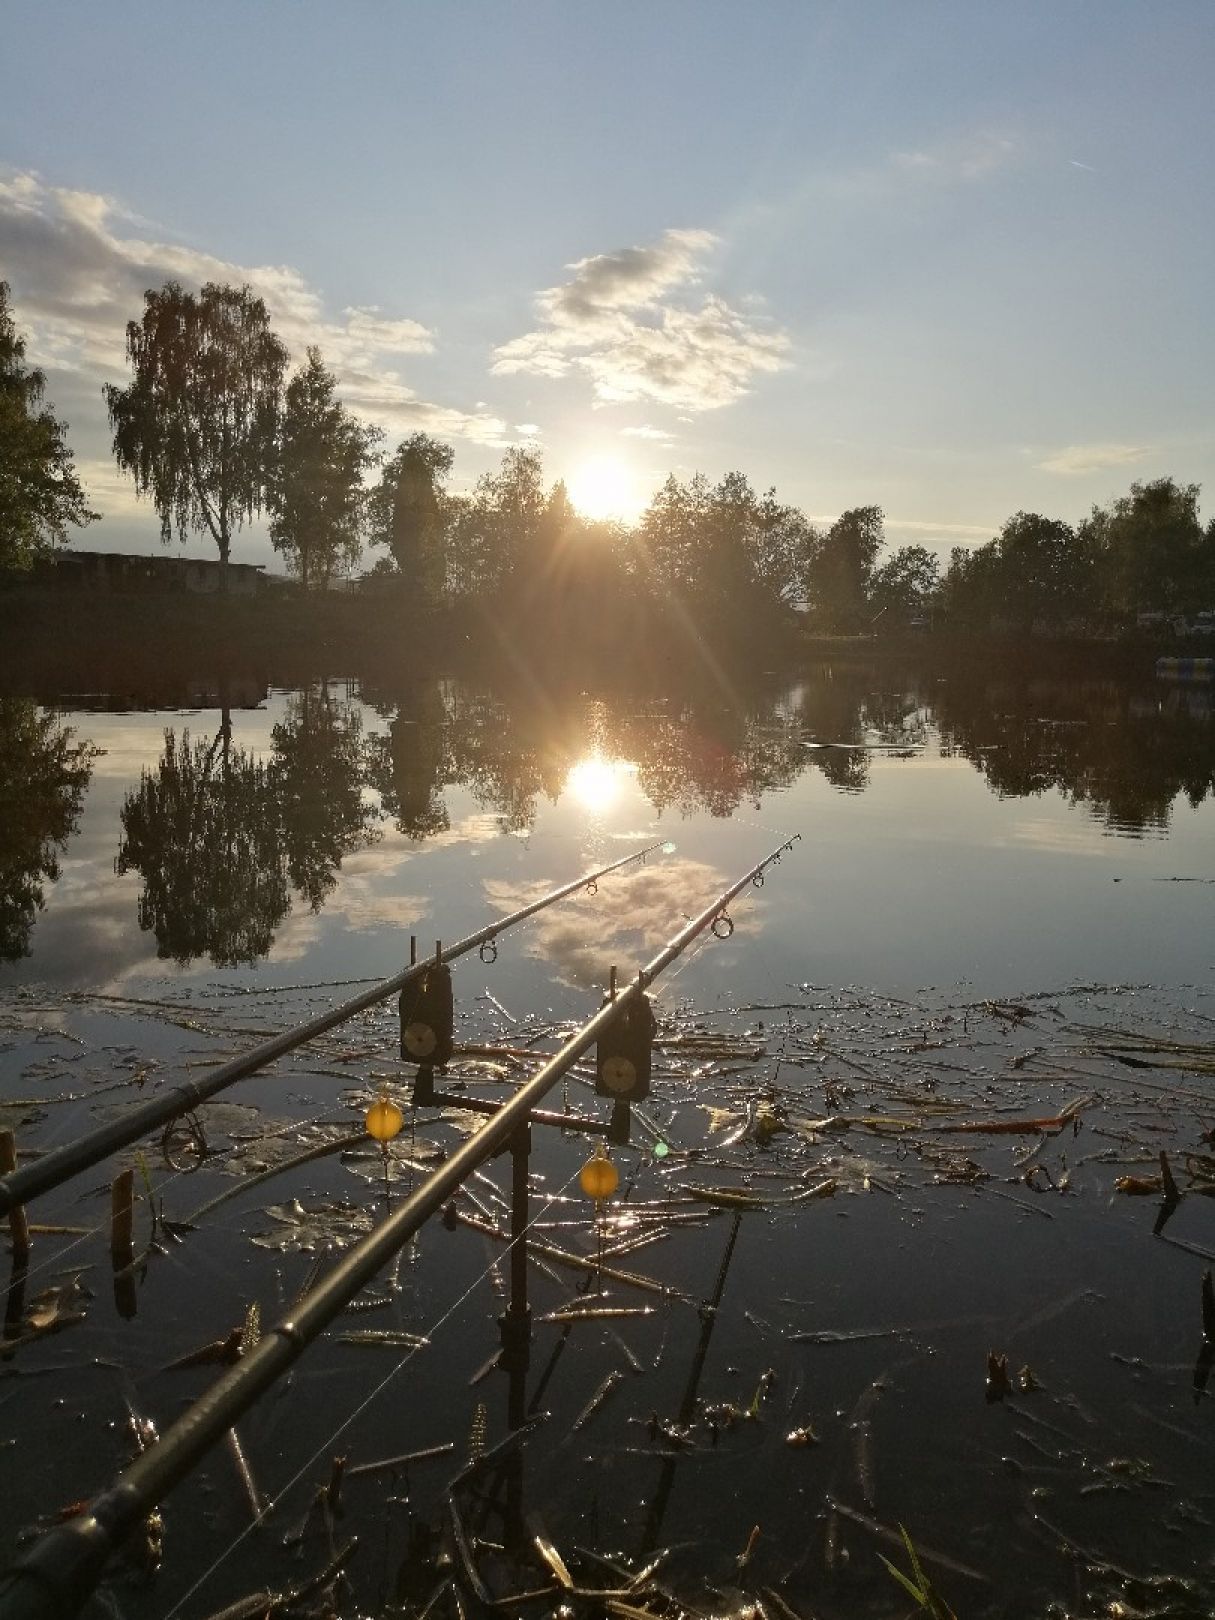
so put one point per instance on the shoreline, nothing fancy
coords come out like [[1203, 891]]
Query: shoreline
[[130, 641]]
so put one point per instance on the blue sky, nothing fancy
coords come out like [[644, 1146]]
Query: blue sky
[[951, 259]]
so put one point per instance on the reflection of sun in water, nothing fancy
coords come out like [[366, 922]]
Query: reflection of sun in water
[[597, 783], [604, 487]]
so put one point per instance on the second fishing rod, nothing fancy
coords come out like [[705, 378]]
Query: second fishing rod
[[62, 1163]]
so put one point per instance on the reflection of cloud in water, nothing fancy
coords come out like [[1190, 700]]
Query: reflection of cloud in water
[[482, 827], [631, 917], [1093, 839], [295, 937], [361, 907]]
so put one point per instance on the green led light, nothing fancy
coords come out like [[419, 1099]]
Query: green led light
[[661, 1149]]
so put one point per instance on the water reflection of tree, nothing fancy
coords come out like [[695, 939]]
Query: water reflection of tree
[[220, 838], [694, 752], [408, 765], [1122, 751], [202, 831], [44, 773], [318, 774]]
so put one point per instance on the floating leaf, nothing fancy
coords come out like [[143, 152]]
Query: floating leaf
[[323, 1227]]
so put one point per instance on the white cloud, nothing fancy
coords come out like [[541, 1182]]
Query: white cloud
[[645, 431], [981, 531], [617, 322], [972, 156], [367, 326], [1085, 458], [79, 266], [109, 490]]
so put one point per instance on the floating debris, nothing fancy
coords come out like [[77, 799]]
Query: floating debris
[[613, 1381], [323, 1227]]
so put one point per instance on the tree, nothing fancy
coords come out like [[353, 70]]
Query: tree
[[317, 502], [497, 533], [406, 513], [512, 503], [1150, 550], [904, 586], [781, 543], [667, 536], [197, 426], [1042, 570], [40, 494], [839, 570], [970, 588]]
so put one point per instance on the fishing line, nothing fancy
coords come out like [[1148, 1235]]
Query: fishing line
[[358, 1411], [760, 826]]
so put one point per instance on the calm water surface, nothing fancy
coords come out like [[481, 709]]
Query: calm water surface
[[1002, 834]]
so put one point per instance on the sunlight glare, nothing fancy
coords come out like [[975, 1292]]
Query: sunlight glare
[[604, 487], [597, 783]]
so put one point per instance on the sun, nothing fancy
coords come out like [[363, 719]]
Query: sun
[[604, 487]]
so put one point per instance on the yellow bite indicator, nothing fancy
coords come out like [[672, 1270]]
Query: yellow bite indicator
[[384, 1120], [599, 1177]]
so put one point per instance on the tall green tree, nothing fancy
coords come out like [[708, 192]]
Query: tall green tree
[[197, 426], [781, 541], [839, 571], [970, 587], [40, 494], [1042, 569], [497, 534], [512, 504], [668, 532], [317, 501], [407, 513], [1150, 550], [905, 585]]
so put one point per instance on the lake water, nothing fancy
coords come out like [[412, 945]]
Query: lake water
[[965, 830], [994, 870]]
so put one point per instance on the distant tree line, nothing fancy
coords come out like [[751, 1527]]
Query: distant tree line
[[1146, 552], [213, 432]]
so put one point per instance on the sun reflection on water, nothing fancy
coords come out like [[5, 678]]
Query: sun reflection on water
[[597, 783]]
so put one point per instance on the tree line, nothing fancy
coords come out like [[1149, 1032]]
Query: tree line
[[214, 433]]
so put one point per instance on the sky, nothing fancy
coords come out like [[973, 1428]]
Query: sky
[[953, 260]]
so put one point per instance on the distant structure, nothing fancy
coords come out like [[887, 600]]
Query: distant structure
[[119, 571]]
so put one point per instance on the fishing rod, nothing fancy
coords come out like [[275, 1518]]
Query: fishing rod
[[59, 1572], [59, 1165]]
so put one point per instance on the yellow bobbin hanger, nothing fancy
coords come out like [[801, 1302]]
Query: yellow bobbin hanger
[[384, 1120], [599, 1177]]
